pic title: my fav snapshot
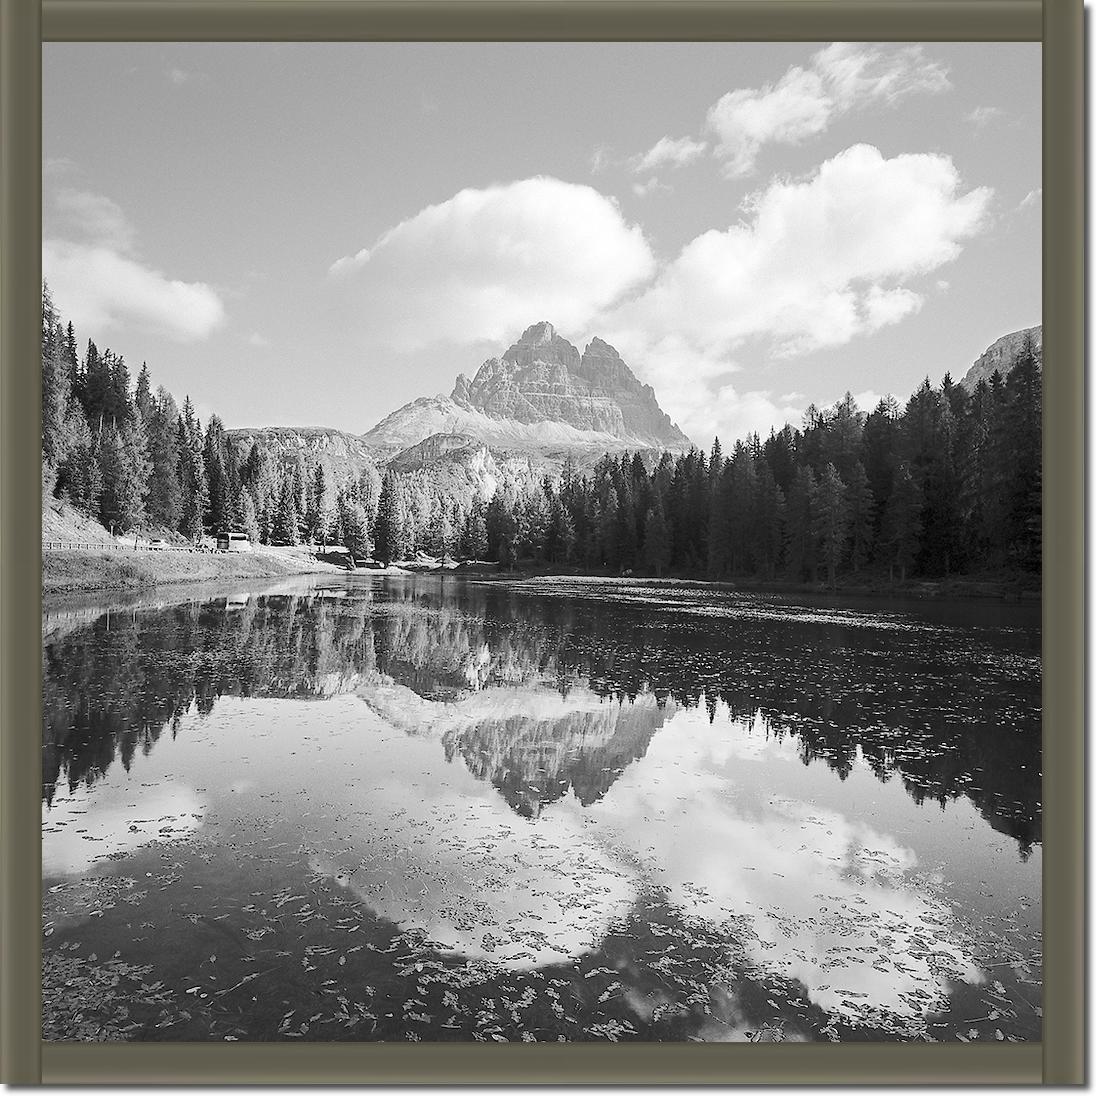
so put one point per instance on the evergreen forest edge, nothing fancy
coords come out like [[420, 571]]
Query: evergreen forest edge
[[948, 485]]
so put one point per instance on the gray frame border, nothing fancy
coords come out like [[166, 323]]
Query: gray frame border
[[24, 1059]]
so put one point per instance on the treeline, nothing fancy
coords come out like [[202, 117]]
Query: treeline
[[949, 484], [132, 460]]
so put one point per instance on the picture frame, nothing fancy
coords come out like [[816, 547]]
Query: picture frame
[[25, 24]]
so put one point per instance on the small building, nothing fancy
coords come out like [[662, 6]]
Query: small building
[[233, 542]]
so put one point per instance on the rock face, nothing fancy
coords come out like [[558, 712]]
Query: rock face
[[433, 449], [344, 455], [542, 393], [1002, 356]]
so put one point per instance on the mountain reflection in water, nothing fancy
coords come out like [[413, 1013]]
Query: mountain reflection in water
[[515, 684], [431, 808]]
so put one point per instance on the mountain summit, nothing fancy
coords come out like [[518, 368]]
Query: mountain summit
[[541, 394]]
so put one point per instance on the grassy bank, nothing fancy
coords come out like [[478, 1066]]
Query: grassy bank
[[73, 570]]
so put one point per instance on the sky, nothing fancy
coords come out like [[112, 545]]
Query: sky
[[312, 234]]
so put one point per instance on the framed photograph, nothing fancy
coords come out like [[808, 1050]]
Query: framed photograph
[[560, 549]]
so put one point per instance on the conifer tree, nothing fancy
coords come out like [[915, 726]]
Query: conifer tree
[[390, 534], [829, 517], [286, 519], [861, 510], [656, 541], [902, 521]]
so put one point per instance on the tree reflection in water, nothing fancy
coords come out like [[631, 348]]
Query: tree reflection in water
[[517, 684]]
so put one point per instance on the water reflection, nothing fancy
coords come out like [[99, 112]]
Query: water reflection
[[470, 811], [516, 684]]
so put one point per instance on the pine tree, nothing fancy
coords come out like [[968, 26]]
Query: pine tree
[[829, 517], [56, 388], [861, 510], [391, 543], [801, 554], [165, 495], [769, 517], [79, 478], [192, 475], [142, 399], [473, 543], [355, 525], [219, 515], [656, 539], [901, 531], [321, 509], [249, 519], [112, 471], [286, 520]]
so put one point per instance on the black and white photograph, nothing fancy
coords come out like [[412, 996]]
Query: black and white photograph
[[542, 542]]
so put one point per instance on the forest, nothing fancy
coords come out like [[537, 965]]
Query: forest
[[949, 484]]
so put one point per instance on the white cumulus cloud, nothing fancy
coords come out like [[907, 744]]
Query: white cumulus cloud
[[480, 264], [815, 263], [804, 101], [100, 289]]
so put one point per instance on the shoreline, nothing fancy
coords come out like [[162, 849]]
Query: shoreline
[[74, 571], [81, 570]]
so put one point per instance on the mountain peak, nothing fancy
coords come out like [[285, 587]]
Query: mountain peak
[[543, 386], [537, 334]]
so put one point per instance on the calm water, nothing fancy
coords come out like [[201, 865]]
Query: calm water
[[429, 808]]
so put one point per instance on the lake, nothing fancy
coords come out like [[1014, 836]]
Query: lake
[[434, 808]]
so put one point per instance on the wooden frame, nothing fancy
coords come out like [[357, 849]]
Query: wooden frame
[[24, 1059]]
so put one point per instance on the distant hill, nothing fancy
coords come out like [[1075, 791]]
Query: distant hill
[[1001, 356], [344, 455]]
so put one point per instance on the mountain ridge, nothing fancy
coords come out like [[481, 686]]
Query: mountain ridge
[[1001, 355], [540, 393]]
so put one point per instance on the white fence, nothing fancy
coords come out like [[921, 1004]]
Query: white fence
[[63, 545]]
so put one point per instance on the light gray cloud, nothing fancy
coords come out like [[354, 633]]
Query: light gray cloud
[[94, 217], [804, 102], [983, 116], [650, 186], [181, 76], [669, 152], [1033, 199]]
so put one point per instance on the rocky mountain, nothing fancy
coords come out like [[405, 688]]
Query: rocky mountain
[[435, 448], [344, 455], [1001, 356], [543, 395]]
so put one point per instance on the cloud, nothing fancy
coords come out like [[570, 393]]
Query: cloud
[[95, 217], [817, 262], [804, 101], [255, 339], [982, 116], [669, 152], [179, 76], [98, 289], [478, 266], [650, 186], [1032, 198], [600, 159], [787, 112]]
